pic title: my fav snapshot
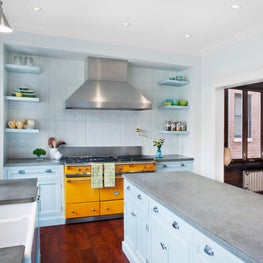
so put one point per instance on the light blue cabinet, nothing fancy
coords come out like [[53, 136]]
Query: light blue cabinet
[[154, 234], [137, 231], [50, 190]]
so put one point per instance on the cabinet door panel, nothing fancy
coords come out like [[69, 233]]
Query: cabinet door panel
[[49, 205], [112, 193], [82, 210], [111, 207], [80, 191]]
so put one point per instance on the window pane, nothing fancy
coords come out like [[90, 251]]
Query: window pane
[[235, 123], [254, 127]]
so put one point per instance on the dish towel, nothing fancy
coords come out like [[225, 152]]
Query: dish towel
[[96, 175], [109, 174]]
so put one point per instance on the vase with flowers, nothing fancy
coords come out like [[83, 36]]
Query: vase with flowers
[[158, 143]]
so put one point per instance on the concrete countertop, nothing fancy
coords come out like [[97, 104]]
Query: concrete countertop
[[18, 191], [231, 216], [12, 254], [173, 158], [30, 162]]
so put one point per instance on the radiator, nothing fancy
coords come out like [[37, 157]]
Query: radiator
[[253, 180]]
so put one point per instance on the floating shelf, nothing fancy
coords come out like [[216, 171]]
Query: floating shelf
[[22, 69], [22, 130], [174, 107], [175, 83], [22, 99], [175, 132]]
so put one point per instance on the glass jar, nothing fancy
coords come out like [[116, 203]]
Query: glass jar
[[168, 125]]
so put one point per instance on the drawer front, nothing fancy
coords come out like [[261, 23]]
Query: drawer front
[[68, 169], [207, 251], [176, 226], [134, 168], [135, 194], [112, 193], [111, 207], [78, 190], [174, 166], [82, 210], [29, 172]]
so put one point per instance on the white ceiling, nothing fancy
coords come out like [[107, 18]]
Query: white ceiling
[[154, 24]]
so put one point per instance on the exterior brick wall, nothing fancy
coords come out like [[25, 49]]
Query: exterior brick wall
[[253, 142]]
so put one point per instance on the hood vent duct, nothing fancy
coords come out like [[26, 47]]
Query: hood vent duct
[[107, 88]]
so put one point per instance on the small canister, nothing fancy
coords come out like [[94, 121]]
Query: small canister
[[173, 126], [168, 125], [178, 126]]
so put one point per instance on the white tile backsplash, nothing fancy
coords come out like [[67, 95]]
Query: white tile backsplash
[[59, 78]]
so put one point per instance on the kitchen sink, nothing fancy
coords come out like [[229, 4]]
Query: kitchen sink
[[17, 226]]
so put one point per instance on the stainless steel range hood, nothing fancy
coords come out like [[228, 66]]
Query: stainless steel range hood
[[107, 88]]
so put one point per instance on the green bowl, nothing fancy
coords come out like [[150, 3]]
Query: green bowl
[[183, 102]]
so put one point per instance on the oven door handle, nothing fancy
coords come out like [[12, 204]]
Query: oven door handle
[[79, 180]]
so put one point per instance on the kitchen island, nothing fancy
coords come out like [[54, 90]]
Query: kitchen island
[[231, 218]]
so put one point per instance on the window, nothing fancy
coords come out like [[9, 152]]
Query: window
[[238, 116], [243, 122]]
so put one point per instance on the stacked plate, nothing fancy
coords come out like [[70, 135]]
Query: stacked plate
[[26, 92]]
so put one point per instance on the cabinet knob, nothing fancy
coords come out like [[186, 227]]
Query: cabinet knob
[[133, 214], [92, 209], [156, 210], [21, 171], [72, 211], [48, 171], [163, 246], [139, 197], [175, 225], [182, 164], [116, 193], [128, 188], [107, 208], [208, 250]]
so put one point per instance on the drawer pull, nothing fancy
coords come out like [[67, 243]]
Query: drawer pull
[[80, 180], [175, 225], [133, 214], [128, 188], [156, 210], [163, 246], [139, 197], [209, 251], [21, 171], [116, 193], [48, 171]]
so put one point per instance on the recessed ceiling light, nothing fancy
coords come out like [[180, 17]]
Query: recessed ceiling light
[[125, 23], [37, 8], [236, 6], [187, 35]]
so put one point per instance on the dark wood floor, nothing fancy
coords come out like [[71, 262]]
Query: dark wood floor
[[93, 242]]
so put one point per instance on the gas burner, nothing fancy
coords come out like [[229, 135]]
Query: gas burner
[[87, 159], [116, 159]]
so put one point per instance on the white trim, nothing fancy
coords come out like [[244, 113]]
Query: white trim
[[233, 40], [218, 85]]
